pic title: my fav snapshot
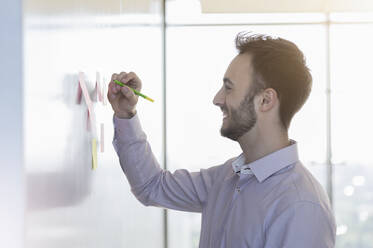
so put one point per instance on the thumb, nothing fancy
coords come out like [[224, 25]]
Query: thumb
[[111, 96], [129, 94]]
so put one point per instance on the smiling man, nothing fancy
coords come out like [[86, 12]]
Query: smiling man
[[265, 197]]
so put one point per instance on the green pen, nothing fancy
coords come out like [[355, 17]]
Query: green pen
[[135, 91]]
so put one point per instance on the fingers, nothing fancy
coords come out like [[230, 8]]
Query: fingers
[[114, 77], [112, 91], [113, 86], [121, 76], [133, 81], [130, 79], [127, 92], [130, 95]]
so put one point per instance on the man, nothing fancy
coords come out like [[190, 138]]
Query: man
[[263, 198]]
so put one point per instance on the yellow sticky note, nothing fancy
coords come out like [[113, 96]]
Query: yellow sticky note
[[94, 154]]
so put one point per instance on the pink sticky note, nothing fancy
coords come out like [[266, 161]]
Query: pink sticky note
[[102, 138], [104, 93], [88, 125], [91, 126], [98, 87], [79, 94], [94, 94], [87, 99]]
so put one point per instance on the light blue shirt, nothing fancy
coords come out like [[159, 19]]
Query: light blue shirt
[[274, 202]]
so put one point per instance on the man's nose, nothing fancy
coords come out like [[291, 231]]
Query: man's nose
[[218, 99]]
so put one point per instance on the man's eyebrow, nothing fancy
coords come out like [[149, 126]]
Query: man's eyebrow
[[227, 81]]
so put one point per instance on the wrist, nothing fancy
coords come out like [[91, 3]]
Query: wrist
[[125, 115]]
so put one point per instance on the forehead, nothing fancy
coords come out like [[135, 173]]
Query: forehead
[[240, 69]]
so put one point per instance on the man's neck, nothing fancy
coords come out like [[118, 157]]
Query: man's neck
[[256, 145]]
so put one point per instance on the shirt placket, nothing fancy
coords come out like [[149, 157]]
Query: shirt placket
[[239, 186]]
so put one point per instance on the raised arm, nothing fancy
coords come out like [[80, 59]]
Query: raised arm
[[181, 190]]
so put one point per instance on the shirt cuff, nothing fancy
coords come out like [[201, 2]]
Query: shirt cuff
[[127, 130]]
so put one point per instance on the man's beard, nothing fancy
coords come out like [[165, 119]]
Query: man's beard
[[240, 120]]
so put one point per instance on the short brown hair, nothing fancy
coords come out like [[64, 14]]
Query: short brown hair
[[278, 64]]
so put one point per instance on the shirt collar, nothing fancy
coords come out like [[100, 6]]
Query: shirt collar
[[269, 164]]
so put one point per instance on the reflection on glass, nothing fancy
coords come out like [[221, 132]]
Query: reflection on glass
[[353, 206], [352, 133]]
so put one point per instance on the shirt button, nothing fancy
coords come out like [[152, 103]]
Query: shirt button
[[238, 188]]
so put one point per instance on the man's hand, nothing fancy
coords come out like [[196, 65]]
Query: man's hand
[[122, 99]]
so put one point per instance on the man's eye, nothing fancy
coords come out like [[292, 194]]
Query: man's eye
[[227, 87]]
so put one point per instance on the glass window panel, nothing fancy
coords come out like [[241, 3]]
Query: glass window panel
[[114, 10], [352, 17], [352, 122], [69, 205], [194, 74]]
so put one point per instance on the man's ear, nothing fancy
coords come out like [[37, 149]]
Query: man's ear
[[268, 99]]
